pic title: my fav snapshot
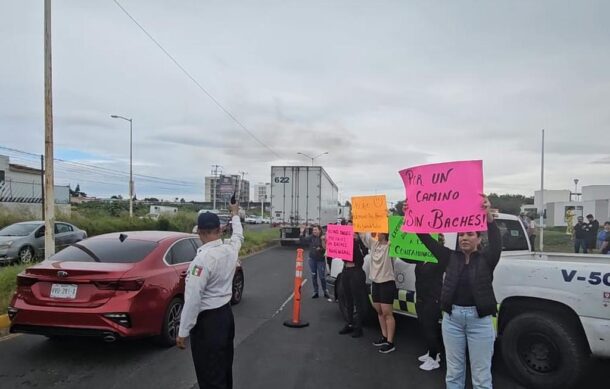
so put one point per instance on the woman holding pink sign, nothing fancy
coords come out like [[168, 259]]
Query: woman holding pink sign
[[468, 303]]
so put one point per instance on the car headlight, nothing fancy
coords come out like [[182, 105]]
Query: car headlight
[[6, 245]]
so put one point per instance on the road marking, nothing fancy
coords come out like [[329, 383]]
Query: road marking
[[281, 308], [11, 336]]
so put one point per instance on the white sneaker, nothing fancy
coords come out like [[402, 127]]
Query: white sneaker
[[424, 357], [430, 364]]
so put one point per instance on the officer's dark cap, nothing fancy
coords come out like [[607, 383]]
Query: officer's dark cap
[[208, 221]]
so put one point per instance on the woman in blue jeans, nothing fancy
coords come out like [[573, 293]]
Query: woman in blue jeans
[[468, 303], [317, 263]]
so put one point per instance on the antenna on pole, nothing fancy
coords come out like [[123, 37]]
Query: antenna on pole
[[542, 207]]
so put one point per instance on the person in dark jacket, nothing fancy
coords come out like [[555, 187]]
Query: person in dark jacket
[[468, 303], [317, 263], [581, 236], [593, 229], [353, 282]]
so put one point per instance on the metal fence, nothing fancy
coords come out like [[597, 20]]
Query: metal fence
[[12, 191]]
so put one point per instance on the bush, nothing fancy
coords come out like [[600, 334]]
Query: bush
[[8, 283]]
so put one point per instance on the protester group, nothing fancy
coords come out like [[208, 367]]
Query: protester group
[[454, 295]]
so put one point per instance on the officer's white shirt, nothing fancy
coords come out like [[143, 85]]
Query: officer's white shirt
[[209, 279]]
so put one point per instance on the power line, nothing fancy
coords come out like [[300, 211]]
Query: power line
[[79, 167], [225, 110]]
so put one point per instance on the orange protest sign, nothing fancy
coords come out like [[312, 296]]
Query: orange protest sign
[[370, 214]]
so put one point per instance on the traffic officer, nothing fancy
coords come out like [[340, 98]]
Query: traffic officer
[[207, 315]]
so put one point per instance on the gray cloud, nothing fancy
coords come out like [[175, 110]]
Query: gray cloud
[[380, 86]]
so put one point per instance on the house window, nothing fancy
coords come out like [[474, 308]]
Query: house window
[[1, 175]]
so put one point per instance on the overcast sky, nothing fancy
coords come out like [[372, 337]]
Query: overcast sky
[[380, 85]]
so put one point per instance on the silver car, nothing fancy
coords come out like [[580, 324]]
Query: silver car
[[23, 242]]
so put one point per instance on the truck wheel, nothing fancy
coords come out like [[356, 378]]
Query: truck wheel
[[542, 350]]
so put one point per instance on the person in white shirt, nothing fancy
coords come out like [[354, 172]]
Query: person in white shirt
[[383, 288], [207, 317]]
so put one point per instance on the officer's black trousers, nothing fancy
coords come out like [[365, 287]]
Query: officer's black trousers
[[212, 348], [428, 316]]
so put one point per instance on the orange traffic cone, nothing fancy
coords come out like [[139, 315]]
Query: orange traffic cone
[[296, 305]]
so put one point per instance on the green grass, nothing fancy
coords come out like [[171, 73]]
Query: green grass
[[555, 241], [8, 283], [257, 240]]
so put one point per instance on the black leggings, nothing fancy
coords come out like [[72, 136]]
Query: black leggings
[[428, 315]]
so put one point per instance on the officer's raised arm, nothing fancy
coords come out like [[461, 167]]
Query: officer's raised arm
[[237, 238]]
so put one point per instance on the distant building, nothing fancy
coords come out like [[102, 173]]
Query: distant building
[[23, 184], [226, 185], [262, 192], [595, 200]]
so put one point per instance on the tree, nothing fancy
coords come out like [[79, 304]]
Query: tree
[[182, 200], [398, 208], [77, 189], [508, 203]]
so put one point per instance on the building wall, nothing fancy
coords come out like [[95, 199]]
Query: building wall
[[223, 184], [262, 192], [551, 196], [25, 187], [595, 192]]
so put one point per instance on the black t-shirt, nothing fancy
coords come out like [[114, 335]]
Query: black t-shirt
[[463, 293]]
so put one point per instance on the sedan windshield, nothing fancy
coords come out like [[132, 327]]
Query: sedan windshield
[[19, 229]]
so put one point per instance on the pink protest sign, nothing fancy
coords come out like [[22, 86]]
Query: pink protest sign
[[444, 197], [340, 242]]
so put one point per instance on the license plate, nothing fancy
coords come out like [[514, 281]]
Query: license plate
[[63, 291]]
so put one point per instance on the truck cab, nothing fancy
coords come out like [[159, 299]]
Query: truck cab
[[553, 312]]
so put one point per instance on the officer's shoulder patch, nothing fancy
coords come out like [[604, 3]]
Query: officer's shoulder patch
[[196, 271]]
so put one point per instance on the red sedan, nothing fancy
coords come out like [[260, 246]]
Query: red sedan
[[111, 286]]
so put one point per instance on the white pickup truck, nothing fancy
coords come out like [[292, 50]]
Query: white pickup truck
[[554, 309]]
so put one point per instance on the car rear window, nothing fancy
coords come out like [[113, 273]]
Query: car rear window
[[106, 250]]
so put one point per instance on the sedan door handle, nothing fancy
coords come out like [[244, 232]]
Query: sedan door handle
[[183, 274]]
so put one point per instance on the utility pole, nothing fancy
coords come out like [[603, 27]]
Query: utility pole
[[542, 207], [239, 186], [215, 169], [42, 185], [49, 198]]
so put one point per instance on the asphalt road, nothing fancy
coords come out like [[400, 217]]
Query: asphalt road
[[268, 355]]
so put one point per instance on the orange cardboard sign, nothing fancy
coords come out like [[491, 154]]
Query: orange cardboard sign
[[370, 213]]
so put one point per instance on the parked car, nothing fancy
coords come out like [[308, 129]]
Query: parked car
[[23, 242], [254, 219], [111, 286]]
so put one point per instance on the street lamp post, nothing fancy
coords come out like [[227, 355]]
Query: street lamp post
[[130, 161], [312, 158]]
